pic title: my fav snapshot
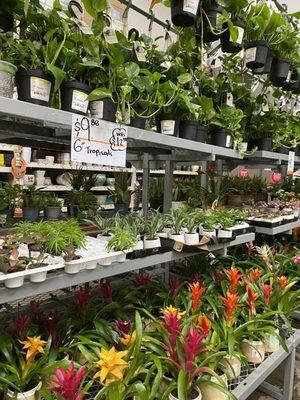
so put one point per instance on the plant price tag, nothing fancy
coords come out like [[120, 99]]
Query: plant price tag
[[110, 35], [250, 54], [191, 6], [40, 88], [98, 142], [140, 51], [291, 163]]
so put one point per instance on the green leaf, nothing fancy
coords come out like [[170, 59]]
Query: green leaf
[[59, 75], [184, 78], [132, 70], [181, 385], [99, 94]]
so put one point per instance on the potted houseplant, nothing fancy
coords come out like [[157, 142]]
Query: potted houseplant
[[121, 192], [187, 110], [152, 227], [209, 226], [8, 199], [167, 121], [223, 232], [191, 237], [227, 123], [206, 113], [79, 201], [52, 207], [232, 37], [123, 240], [176, 222], [7, 68], [212, 19], [106, 227], [32, 203], [261, 129], [184, 13]]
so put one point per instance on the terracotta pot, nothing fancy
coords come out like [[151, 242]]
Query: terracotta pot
[[232, 366], [210, 392], [272, 343], [254, 351], [29, 395]]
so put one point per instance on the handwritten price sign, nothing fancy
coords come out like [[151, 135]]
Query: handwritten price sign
[[98, 142]]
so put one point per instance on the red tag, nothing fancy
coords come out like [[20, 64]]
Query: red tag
[[276, 177], [243, 173]]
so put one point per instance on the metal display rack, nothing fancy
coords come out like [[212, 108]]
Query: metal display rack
[[285, 228]]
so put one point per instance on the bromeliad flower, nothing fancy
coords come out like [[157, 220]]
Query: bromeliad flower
[[107, 291], [172, 324], [296, 260], [111, 365], [252, 297], [234, 276], [50, 323], [250, 247], [67, 383], [197, 292], [34, 346], [282, 282], [142, 279], [192, 346], [175, 283], [123, 326], [267, 291], [34, 307], [204, 325], [21, 325], [254, 276], [180, 314], [230, 303], [128, 339], [82, 298]]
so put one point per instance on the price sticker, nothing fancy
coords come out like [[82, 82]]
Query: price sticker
[[291, 163], [98, 142]]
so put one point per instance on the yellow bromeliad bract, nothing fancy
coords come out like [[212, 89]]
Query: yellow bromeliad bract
[[111, 365]]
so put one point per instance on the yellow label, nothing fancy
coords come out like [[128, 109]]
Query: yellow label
[[1, 159]]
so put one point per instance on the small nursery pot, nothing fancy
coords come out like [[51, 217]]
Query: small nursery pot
[[263, 144], [210, 392], [167, 124], [191, 239], [6, 21], [52, 213], [232, 366], [138, 122], [34, 86], [221, 137], [31, 213], [121, 208], [183, 12], [256, 54], [138, 246], [280, 69], [7, 73], [195, 395], [228, 45], [13, 283], [104, 109], [151, 243], [201, 133], [188, 130], [272, 343], [209, 234], [210, 20], [283, 150], [266, 69], [254, 351], [121, 258], [178, 238], [29, 395], [224, 234], [74, 97]]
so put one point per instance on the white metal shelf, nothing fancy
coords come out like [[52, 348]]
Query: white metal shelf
[[61, 188], [271, 156], [61, 280], [278, 229]]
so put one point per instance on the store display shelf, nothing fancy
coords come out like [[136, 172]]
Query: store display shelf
[[269, 156], [61, 280], [278, 229], [138, 139], [9, 147], [254, 377], [61, 188], [6, 170]]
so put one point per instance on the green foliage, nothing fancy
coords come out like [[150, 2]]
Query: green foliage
[[32, 197], [8, 196], [123, 239], [80, 198], [121, 190]]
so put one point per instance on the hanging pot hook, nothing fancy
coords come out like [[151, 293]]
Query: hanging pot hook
[[135, 33], [74, 4]]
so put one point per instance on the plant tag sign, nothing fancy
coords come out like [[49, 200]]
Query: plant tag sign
[[110, 35], [98, 142], [291, 163], [250, 54], [243, 173], [229, 100], [191, 6], [276, 177], [140, 51], [40, 88]]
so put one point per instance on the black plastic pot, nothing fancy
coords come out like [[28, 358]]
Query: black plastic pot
[[166, 128], [73, 97], [280, 69], [8, 213], [73, 210], [121, 208], [268, 64], [256, 54], [104, 109], [210, 20], [52, 213], [221, 137], [31, 213], [138, 122], [6, 22], [282, 150], [201, 134], [34, 86], [182, 16], [263, 144], [156, 204], [228, 46], [188, 130]]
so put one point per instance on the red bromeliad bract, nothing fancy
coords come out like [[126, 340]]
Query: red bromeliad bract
[[67, 383], [267, 291]]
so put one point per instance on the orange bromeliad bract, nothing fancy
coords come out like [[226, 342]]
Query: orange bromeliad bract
[[204, 324], [234, 276], [230, 303], [254, 276], [197, 292], [252, 297], [282, 282]]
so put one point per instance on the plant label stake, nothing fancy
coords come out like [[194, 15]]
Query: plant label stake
[[291, 163], [98, 142]]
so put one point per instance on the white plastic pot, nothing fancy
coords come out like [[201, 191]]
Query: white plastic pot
[[14, 282], [138, 246], [163, 235], [73, 267], [105, 262], [272, 342], [29, 395], [178, 238], [90, 265], [209, 233], [242, 225], [254, 351], [289, 217], [121, 258], [151, 243], [224, 234], [38, 277], [197, 397], [191, 238], [232, 366], [212, 393]]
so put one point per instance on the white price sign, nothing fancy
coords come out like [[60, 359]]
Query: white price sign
[[291, 163], [95, 141]]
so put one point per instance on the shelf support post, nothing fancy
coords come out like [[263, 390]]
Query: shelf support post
[[168, 186], [146, 178], [289, 370]]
